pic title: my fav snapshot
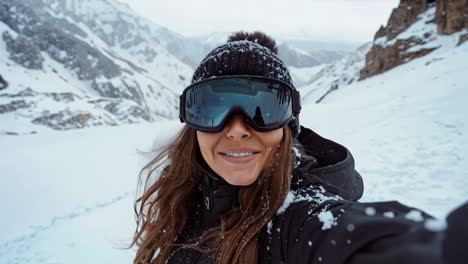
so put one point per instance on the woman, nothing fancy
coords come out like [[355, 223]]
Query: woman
[[247, 184]]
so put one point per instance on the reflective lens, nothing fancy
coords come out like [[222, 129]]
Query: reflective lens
[[267, 103]]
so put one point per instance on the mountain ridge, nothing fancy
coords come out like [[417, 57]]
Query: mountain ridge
[[100, 52]]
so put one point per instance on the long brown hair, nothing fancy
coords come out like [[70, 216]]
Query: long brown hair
[[174, 195]]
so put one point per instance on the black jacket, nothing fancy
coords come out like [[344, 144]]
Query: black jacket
[[321, 222]]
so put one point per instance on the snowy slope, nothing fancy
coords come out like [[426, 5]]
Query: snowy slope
[[301, 76], [407, 128], [72, 202], [334, 76]]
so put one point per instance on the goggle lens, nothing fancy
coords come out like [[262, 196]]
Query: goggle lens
[[266, 104]]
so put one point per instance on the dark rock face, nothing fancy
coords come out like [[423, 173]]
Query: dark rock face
[[64, 119], [380, 33], [404, 16], [13, 106], [451, 16], [133, 111], [462, 39], [64, 97], [109, 112], [381, 59], [3, 83], [28, 92], [23, 51]]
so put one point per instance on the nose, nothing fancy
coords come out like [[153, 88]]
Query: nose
[[237, 129]]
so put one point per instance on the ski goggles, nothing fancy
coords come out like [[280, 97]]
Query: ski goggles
[[267, 104]]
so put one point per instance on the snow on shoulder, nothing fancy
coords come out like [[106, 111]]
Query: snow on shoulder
[[317, 196]]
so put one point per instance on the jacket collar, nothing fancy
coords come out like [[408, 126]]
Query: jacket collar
[[322, 161], [218, 195]]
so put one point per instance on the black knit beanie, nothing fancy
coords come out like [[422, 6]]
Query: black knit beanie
[[246, 54]]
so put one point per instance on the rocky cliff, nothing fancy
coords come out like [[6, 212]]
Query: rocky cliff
[[408, 33]]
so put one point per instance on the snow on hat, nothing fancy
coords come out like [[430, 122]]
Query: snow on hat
[[246, 54]]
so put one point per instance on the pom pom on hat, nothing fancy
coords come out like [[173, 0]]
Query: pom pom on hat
[[255, 37]]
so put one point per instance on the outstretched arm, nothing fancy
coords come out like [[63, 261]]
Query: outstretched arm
[[386, 232]]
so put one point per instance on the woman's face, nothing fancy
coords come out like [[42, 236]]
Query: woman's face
[[238, 153]]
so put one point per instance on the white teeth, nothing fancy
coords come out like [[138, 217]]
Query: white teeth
[[239, 154]]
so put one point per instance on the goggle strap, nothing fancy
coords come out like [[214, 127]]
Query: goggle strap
[[181, 107], [297, 99]]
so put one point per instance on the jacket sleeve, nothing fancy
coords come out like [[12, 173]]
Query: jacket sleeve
[[455, 248], [350, 232]]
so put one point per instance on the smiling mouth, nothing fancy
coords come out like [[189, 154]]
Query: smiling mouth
[[239, 154]]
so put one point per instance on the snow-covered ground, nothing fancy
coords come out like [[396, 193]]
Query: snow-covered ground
[[66, 197], [408, 130]]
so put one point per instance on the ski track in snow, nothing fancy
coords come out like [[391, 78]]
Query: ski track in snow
[[22, 249], [412, 151], [424, 167], [68, 195]]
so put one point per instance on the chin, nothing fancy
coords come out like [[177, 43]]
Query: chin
[[241, 180]]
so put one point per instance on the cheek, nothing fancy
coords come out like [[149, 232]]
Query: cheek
[[273, 138], [271, 141], [207, 143]]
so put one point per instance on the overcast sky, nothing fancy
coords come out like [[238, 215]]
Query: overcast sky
[[347, 20]]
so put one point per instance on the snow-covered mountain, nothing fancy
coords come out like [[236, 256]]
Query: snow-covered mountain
[[73, 64], [313, 51], [296, 57], [188, 50], [295, 53], [412, 41], [334, 76], [301, 76]]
